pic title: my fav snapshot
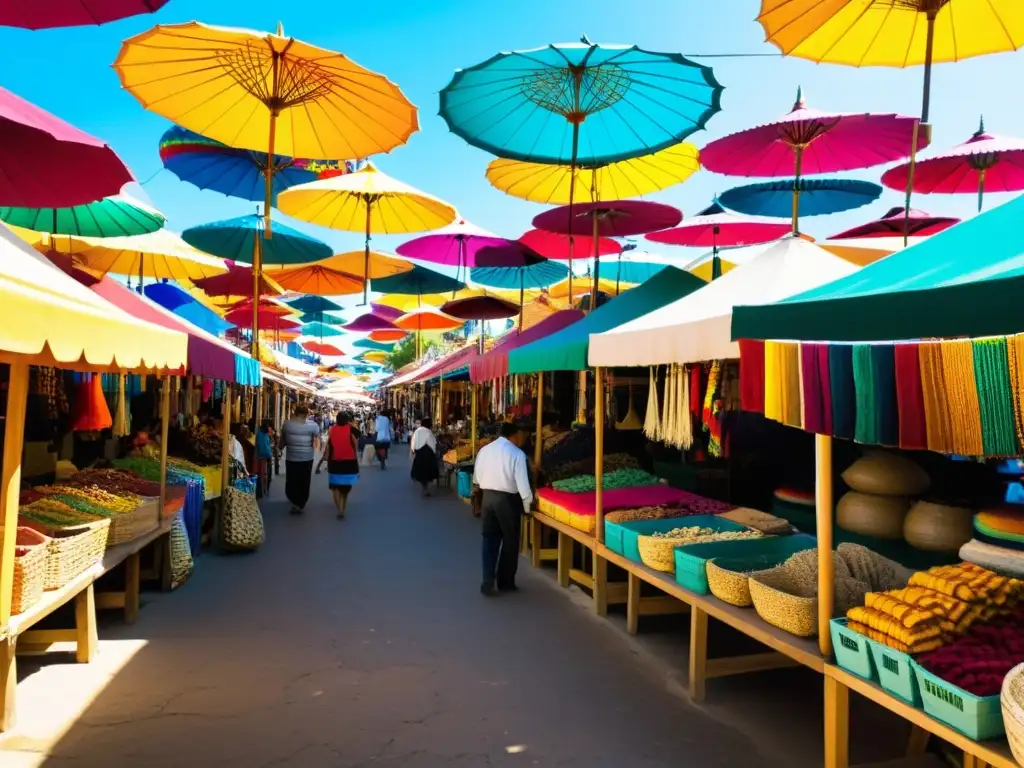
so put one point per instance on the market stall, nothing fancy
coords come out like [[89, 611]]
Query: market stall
[[937, 389], [49, 319]]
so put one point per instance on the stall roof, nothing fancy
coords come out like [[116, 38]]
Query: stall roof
[[52, 319], [449, 364], [494, 364], [964, 281], [697, 327], [566, 350], [207, 355]]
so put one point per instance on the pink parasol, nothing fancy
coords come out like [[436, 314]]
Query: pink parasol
[[557, 247], [808, 141], [47, 163], [899, 221], [50, 14], [388, 313], [715, 228], [615, 218], [369, 322], [983, 163]]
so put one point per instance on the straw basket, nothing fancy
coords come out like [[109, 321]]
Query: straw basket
[[728, 586], [659, 553], [643, 513], [1012, 700], [72, 550], [784, 602], [131, 525], [29, 569]]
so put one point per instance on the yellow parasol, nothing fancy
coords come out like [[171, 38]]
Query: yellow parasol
[[381, 264], [564, 290], [157, 255], [367, 201]]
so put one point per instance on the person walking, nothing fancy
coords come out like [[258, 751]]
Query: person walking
[[423, 451], [385, 433], [342, 461], [300, 438], [502, 475], [264, 457]]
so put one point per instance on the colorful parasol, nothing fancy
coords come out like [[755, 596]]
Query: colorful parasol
[[480, 308], [378, 346], [369, 322], [807, 142], [319, 348], [50, 14], [269, 320], [320, 317], [367, 201], [419, 281], [266, 305], [565, 248], [983, 163], [375, 356], [715, 228], [387, 335], [383, 310], [814, 197], [427, 319], [313, 303], [117, 216], [898, 221], [316, 279], [237, 240], [238, 281], [47, 163], [320, 330], [353, 262]]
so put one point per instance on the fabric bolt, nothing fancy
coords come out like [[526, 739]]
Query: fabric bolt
[[913, 433], [864, 430], [696, 391], [782, 382], [752, 375], [814, 390], [938, 429], [883, 373], [1015, 360], [992, 375], [844, 397], [821, 355], [962, 391]]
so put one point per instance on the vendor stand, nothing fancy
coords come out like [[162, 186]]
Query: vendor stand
[[931, 291], [51, 320]]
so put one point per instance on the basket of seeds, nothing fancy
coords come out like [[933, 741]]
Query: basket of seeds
[[657, 549]]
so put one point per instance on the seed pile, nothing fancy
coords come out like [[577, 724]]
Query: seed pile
[[622, 478], [696, 534]]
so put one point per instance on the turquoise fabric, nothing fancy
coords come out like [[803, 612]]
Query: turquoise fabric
[[964, 281], [566, 350]]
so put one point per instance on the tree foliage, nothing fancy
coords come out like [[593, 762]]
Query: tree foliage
[[404, 352]]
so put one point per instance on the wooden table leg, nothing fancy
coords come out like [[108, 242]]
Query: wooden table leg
[[837, 724], [132, 579], [600, 571], [85, 625], [535, 542], [564, 559], [698, 654], [918, 744], [8, 682], [632, 603]]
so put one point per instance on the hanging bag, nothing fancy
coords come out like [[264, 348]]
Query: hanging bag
[[242, 522]]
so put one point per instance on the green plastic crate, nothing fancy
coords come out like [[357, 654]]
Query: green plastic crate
[[623, 538], [978, 717], [895, 673], [852, 651], [749, 554]]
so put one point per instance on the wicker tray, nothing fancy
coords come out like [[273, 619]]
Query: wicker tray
[[29, 569], [131, 525], [783, 603], [73, 550], [1012, 700]]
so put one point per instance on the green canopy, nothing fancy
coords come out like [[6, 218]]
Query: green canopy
[[566, 350], [965, 281]]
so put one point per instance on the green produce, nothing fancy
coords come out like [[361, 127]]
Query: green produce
[[621, 478]]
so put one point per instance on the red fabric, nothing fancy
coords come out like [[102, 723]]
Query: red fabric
[[696, 394], [91, 413], [817, 395], [752, 375], [825, 378], [341, 443], [910, 398]]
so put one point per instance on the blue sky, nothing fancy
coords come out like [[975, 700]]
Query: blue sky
[[420, 44]]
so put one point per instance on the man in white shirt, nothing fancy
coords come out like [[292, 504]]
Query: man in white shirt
[[501, 473]]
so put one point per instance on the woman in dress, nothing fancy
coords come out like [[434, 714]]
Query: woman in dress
[[342, 461], [423, 450]]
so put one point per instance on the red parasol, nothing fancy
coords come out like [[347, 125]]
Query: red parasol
[[899, 221], [319, 348], [237, 281], [551, 245], [50, 14], [268, 320], [387, 335]]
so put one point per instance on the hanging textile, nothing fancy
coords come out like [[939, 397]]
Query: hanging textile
[[962, 393], [913, 432], [817, 403], [1015, 359], [933, 392], [844, 398], [121, 427], [668, 414], [90, 413], [696, 390], [752, 375], [684, 397], [874, 377], [782, 383], [711, 412], [652, 423], [992, 375]]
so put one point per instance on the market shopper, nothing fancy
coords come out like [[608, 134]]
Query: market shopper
[[423, 451], [264, 457], [385, 432], [502, 475], [300, 438], [342, 461]]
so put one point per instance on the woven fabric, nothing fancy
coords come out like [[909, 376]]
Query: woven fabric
[[1015, 361], [752, 375], [782, 382], [817, 405], [844, 401], [962, 397], [883, 370], [992, 375], [865, 428], [696, 390], [933, 394], [913, 433]]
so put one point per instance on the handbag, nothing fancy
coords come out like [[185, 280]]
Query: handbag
[[241, 521]]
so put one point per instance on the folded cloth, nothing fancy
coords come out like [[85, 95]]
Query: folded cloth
[[962, 397], [933, 394], [817, 401], [913, 433], [992, 374], [782, 383], [752, 375], [1009, 562], [844, 398]]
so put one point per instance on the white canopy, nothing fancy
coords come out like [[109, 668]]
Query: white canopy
[[698, 327]]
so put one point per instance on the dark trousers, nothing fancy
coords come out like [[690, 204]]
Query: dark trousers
[[298, 475], [502, 514]]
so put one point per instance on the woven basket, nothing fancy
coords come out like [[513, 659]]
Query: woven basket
[[583, 523], [1012, 701], [659, 553], [72, 550], [643, 513], [29, 569], [728, 586], [784, 603], [131, 525]]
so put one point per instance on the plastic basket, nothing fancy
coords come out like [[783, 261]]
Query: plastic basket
[[978, 717], [752, 554], [658, 553], [895, 672], [624, 538], [852, 651], [464, 482]]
